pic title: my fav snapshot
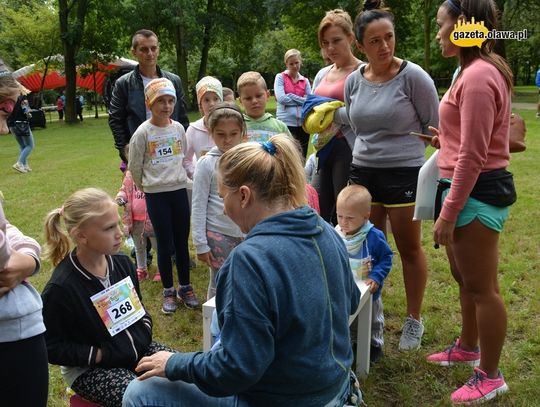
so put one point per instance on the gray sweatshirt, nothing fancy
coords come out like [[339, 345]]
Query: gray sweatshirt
[[20, 308], [207, 206], [157, 157], [382, 115]]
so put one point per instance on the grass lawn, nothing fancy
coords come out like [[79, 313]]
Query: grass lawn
[[67, 158]]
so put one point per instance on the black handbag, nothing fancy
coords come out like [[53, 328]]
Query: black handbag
[[22, 129]]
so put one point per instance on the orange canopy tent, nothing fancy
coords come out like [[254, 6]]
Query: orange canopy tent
[[31, 77]]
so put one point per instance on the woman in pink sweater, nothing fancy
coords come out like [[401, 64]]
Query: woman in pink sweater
[[475, 190]]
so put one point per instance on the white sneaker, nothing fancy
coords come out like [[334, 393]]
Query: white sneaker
[[19, 167], [27, 168], [411, 335]]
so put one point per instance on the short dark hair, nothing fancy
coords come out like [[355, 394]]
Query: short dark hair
[[143, 33]]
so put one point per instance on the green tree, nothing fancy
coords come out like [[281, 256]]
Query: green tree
[[72, 15]]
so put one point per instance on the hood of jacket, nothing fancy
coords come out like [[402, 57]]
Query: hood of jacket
[[199, 125], [301, 222], [214, 151]]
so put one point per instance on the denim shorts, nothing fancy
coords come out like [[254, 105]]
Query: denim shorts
[[492, 217]]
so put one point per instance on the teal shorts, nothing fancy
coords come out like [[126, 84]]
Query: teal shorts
[[492, 217]]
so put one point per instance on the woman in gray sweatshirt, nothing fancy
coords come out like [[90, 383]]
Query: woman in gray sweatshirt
[[385, 100]]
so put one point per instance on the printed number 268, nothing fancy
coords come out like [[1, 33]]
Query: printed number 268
[[121, 309]]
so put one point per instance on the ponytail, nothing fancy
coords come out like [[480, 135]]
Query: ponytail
[[57, 244], [273, 169]]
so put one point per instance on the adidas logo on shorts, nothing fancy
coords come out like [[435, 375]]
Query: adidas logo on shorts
[[408, 194]]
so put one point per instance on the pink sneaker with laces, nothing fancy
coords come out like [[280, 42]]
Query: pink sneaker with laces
[[479, 388], [454, 354]]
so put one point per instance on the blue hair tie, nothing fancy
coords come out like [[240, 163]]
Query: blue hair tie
[[269, 147]]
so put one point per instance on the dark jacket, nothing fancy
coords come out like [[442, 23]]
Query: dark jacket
[[20, 111], [74, 329], [128, 109]]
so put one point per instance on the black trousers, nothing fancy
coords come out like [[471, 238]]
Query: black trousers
[[24, 373]]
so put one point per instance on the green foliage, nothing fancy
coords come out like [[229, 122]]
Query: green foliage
[[25, 39]]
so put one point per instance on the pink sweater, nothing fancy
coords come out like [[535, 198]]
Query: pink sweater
[[135, 209], [474, 120]]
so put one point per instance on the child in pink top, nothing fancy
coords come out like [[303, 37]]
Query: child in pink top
[[136, 222]]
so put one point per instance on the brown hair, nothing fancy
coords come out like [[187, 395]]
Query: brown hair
[[224, 110], [143, 33], [337, 17], [78, 208], [272, 169], [250, 78], [486, 11], [9, 85], [372, 10]]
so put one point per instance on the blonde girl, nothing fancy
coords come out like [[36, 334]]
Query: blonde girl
[[96, 363], [214, 234]]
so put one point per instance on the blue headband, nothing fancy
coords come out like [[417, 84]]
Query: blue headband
[[454, 6], [268, 146]]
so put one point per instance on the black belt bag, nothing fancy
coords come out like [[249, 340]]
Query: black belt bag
[[495, 188], [492, 187]]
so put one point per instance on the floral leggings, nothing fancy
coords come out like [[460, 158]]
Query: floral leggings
[[220, 247], [106, 386]]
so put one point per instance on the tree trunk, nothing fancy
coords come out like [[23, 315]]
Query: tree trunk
[[206, 39], [181, 61], [71, 36]]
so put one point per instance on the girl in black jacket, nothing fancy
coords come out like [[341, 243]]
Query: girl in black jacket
[[97, 328]]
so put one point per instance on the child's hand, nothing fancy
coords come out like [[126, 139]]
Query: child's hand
[[373, 286], [206, 258], [120, 201], [19, 267]]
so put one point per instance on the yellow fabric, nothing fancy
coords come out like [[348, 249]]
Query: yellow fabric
[[321, 117]]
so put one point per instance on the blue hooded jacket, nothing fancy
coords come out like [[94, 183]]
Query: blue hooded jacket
[[283, 300]]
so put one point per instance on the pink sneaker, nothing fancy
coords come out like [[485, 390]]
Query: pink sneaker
[[454, 354], [142, 274], [479, 388], [157, 276]]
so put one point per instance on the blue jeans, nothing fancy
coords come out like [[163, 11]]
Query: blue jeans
[[26, 144], [160, 392]]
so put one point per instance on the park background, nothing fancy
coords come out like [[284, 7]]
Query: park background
[[225, 38], [253, 35]]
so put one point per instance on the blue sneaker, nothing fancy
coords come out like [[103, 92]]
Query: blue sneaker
[[187, 296], [169, 301]]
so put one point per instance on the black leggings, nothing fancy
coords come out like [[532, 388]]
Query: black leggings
[[169, 214], [24, 373], [303, 138], [332, 178]]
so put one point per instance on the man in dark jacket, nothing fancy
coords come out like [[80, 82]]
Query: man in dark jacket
[[128, 109]]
